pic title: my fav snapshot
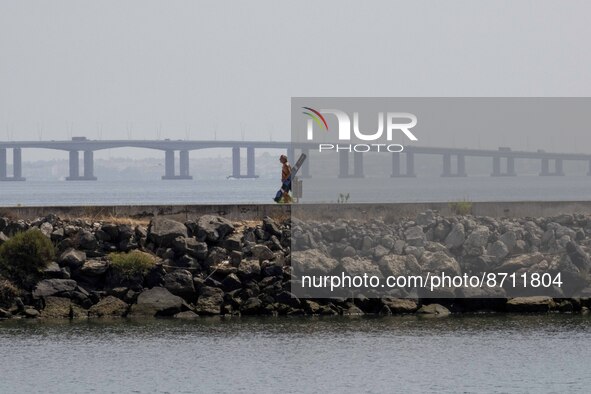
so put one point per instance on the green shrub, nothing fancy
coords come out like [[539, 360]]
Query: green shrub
[[132, 263], [461, 207], [24, 256]]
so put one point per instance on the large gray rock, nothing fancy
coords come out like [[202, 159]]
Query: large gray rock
[[213, 228], [51, 287], [249, 269], [313, 262], [530, 304], [262, 252], [456, 237], [438, 263], [94, 268], [72, 258], [190, 246], [57, 308], [397, 265], [415, 236], [157, 301], [476, 241], [497, 250], [578, 256], [359, 267], [210, 301], [163, 231], [180, 283], [108, 307], [509, 238], [400, 305], [433, 310]]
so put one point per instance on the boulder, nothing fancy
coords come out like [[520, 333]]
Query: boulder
[[262, 252], [249, 269], [51, 287], [400, 305], [578, 256], [313, 261], [94, 268], [186, 315], [231, 283], [213, 228], [476, 241], [433, 309], [251, 306], [271, 227], [180, 283], [190, 246], [108, 307], [72, 258], [87, 241], [415, 236], [456, 236], [497, 250], [57, 308], [530, 304], [53, 271], [359, 267], [439, 262], [163, 231], [157, 301], [397, 265], [210, 301]]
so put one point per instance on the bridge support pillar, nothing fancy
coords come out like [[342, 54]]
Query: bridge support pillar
[[184, 164], [558, 169], [250, 163], [74, 162], [343, 164], [235, 162], [446, 165], [410, 165], [3, 169], [511, 166], [89, 166], [461, 166], [497, 167], [169, 165], [236, 171], [358, 165], [545, 171], [17, 165]]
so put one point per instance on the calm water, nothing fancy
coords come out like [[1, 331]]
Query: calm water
[[421, 189], [491, 353]]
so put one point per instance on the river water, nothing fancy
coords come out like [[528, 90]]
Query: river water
[[473, 353], [262, 190]]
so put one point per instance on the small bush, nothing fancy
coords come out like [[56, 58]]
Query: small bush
[[132, 263], [24, 256], [8, 292], [461, 207]]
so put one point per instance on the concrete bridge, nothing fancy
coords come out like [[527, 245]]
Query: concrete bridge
[[502, 160]]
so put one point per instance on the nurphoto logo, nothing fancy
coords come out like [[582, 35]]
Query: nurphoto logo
[[391, 122]]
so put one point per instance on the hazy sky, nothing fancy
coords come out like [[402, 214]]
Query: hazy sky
[[177, 69]]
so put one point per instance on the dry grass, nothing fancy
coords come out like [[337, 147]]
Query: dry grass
[[110, 219]]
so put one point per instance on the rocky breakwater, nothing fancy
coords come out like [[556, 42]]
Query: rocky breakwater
[[212, 266]]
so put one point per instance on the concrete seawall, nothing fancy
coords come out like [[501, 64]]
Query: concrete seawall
[[320, 211]]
